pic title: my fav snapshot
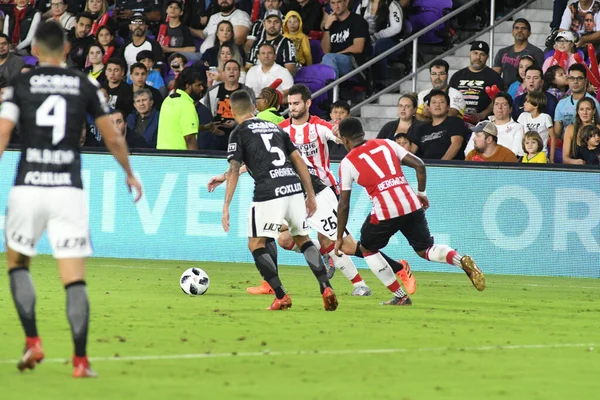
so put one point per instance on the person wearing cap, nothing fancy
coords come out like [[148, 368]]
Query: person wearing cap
[[181, 39], [80, 40], [472, 81], [139, 41], [572, 20], [285, 51], [564, 42], [257, 31], [444, 137], [125, 10], [486, 147], [228, 12], [506, 62]]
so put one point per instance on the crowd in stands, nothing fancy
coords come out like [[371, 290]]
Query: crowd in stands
[[168, 68]]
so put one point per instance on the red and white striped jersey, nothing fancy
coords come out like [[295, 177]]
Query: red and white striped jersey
[[311, 139], [376, 166]]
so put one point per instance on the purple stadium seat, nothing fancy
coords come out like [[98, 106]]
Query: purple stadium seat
[[30, 60], [316, 51], [315, 77]]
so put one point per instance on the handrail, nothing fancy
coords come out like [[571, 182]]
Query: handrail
[[446, 53], [395, 48]]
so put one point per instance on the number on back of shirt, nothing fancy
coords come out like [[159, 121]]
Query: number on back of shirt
[[53, 113], [374, 165], [266, 137]]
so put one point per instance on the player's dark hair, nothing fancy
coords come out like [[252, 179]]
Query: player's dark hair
[[188, 76], [578, 67], [117, 61], [137, 65], [341, 104], [437, 92], [51, 36], [440, 63], [505, 96], [300, 89], [351, 128], [241, 102], [84, 14]]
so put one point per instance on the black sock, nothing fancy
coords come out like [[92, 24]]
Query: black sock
[[271, 247], [23, 295], [268, 270], [396, 266], [78, 313], [315, 262]]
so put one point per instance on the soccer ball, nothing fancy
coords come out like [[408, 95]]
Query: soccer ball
[[194, 282]]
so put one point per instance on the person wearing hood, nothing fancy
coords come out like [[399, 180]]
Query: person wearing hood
[[292, 29]]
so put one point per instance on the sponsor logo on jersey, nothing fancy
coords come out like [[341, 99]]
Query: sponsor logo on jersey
[[25, 241], [288, 189], [312, 133], [47, 178], [232, 147], [71, 243], [262, 126], [309, 149], [64, 84], [282, 172], [271, 227]]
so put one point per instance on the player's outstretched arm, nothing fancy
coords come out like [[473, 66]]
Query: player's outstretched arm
[[302, 171], [342, 217], [118, 147], [6, 128], [234, 175], [219, 179], [418, 165]]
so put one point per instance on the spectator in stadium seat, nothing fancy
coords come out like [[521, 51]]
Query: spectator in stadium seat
[[217, 101], [573, 20], [267, 104], [472, 81], [285, 51], [555, 82], [120, 94], [96, 69], [292, 29], [239, 19], [177, 62], [589, 150], [487, 147], [257, 31], [407, 121], [143, 123], [139, 41], [223, 35], [311, 12], [106, 38], [60, 14], [10, 63], [438, 75], [587, 114], [518, 87], [564, 42], [228, 51], [444, 137], [125, 10], [154, 79], [340, 110], [98, 8], [533, 119], [20, 26], [80, 41], [139, 75], [267, 72], [74, 7], [510, 132], [507, 59], [534, 81], [181, 39], [385, 28], [346, 41]]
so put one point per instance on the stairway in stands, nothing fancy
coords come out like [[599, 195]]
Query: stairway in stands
[[539, 14]]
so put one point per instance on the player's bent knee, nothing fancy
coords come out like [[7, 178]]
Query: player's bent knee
[[285, 240]]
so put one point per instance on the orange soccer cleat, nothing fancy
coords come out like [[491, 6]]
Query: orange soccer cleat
[[330, 302], [81, 368], [281, 304], [34, 354], [263, 288], [408, 279]]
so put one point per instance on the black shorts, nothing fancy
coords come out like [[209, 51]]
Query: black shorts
[[413, 226]]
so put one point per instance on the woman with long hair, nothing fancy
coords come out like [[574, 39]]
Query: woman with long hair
[[96, 65], [587, 114], [106, 39], [20, 26], [407, 121], [228, 51], [224, 34]]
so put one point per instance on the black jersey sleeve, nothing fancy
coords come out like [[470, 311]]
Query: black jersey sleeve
[[97, 105], [235, 149]]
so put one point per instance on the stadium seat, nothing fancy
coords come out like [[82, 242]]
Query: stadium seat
[[316, 77], [316, 51]]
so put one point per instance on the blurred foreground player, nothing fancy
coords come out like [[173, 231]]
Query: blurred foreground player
[[376, 165], [281, 178], [50, 104]]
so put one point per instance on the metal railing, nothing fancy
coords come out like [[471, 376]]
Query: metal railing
[[414, 74]]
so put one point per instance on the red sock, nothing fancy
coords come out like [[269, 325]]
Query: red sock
[[32, 341], [356, 279], [394, 287], [328, 249], [450, 256], [81, 361]]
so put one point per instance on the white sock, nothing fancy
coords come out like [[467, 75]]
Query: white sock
[[443, 254], [381, 269], [347, 267]]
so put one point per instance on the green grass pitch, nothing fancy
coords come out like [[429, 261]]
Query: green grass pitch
[[523, 338]]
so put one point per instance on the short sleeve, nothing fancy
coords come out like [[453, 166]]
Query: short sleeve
[[241, 18], [235, 151], [188, 119], [558, 112], [459, 128], [347, 172], [288, 52], [565, 22], [10, 108], [498, 58], [399, 150], [548, 121], [97, 105], [325, 129], [362, 28]]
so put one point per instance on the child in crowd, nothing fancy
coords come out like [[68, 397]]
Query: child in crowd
[[590, 150], [534, 120], [403, 140], [267, 103], [292, 29], [517, 88], [533, 146], [555, 82], [154, 78], [340, 110], [565, 44]]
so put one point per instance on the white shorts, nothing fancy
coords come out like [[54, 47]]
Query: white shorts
[[324, 220], [266, 217], [61, 211]]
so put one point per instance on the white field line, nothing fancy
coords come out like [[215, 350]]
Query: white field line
[[268, 353]]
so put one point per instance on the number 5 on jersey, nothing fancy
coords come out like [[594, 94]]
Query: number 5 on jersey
[[266, 137], [53, 112]]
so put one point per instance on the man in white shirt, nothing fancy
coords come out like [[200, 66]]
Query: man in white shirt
[[438, 74], [510, 133], [263, 75], [239, 19]]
